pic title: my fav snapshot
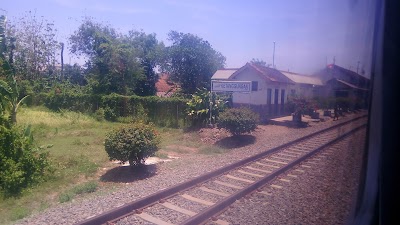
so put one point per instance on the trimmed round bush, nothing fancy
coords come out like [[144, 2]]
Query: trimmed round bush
[[238, 120], [133, 143]]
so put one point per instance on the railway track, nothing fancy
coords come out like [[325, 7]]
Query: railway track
[[203, 198]]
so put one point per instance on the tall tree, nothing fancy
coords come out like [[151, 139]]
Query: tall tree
[[150, 53], [31, 47], [192, 61], [260, 62], [112, 64], [74, 74]]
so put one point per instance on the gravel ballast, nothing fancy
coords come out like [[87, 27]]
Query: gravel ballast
[[323, 194], [177, 171]]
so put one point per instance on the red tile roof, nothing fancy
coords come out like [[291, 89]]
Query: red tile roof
[[165, 87]]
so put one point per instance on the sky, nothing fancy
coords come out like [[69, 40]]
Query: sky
[[308, 34]]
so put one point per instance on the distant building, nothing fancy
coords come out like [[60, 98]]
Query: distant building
[[272, 88], [305, 86], [341, 82], [268, 90], [164, 87]]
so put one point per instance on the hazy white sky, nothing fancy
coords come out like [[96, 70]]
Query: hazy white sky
[[307, 33]]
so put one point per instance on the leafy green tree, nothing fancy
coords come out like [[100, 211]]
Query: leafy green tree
[[112, 64], [74, 74], [191, 61], [260, 62], [31, 47], [150, 53]]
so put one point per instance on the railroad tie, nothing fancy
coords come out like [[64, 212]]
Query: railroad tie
[[281, 158], [259, 170], [288, 155], [250, 174], [274, 161], [276, 186], [238, 178], [263, 164], [227, 185], [299, 150], [198, 200], [221, 222], [178, 209], [152, 219], [214, 192]]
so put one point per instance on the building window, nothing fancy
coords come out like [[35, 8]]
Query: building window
[[254, 86], [293, 92]]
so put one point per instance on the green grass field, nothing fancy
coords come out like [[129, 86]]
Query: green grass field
[[75, 143]]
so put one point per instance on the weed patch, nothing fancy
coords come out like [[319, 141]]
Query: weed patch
[[88, 187], [19, 213], [210, 150]]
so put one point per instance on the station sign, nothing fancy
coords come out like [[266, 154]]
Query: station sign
[[230, 86]]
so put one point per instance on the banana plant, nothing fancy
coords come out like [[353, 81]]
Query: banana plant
[[9, 92], [10, 98]]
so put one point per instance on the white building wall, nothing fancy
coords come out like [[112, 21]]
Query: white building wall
[[259, 97]]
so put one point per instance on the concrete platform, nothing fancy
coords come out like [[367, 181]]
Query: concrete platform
[[288, 120]]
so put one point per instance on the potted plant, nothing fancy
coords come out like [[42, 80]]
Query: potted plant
[[300, 106]]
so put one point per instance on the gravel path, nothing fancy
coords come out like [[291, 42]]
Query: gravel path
[[171, 173]]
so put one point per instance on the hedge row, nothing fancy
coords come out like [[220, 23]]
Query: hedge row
[[160, 111]]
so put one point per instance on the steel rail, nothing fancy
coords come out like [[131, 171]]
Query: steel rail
[[152, 199]]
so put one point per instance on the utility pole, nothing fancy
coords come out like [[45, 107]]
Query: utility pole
[[273, 57], [358, 65], [334, 60]]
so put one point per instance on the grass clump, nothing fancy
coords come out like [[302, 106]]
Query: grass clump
[[88, 187], [19, 213]]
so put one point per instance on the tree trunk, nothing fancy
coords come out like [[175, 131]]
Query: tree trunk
[[62, 61], [13, 115]]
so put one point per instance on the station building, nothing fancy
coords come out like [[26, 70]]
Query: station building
[[272, 88]]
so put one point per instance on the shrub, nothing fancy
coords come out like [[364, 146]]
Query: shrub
[[21, 164], [133, 143], [110, 114], [302, 106], [99, 114], [198, 107], [160, 111], [238, 120]]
